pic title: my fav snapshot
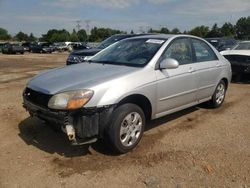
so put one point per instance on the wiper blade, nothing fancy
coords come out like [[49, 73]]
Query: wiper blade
[[115, 63], [102, 62]]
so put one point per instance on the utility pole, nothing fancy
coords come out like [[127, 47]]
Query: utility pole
[[78, 26], [87, 22]]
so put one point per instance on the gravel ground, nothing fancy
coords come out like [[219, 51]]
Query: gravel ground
[[197, 147]]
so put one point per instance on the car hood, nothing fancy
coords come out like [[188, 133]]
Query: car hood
[[86, 52], [80, 76], [236, 52]]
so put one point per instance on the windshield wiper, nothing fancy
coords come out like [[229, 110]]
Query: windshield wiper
[[115, 63]]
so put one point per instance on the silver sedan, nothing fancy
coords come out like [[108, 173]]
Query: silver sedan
[[112, 95]]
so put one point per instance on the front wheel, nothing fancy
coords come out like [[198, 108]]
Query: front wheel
[[126, 128], [219, 95]]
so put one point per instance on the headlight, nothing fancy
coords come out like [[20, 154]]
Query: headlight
[[70, 100]]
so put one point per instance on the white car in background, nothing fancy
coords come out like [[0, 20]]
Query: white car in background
[[239, 58]]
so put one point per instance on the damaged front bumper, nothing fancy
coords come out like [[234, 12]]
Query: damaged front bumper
[[82, 126]]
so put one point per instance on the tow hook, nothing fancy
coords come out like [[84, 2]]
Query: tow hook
[[69, 128], [70, 131]]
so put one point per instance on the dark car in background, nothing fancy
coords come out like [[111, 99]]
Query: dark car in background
[[42, 48], [79, 56], [239, 57], [28, 46], [79, 46], [2, 45], [222, 43], [12, 48]]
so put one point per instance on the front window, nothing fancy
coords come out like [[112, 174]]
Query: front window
[[131, 52], [243, 46], [179, 50]]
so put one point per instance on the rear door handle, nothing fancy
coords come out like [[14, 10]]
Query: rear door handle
[[191, 69], [218, 64]]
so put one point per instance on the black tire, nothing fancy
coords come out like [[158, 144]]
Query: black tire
[[113, 131], [215, 102]]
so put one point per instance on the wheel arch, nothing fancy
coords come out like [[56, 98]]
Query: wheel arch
[[142, 101], [226, 81]]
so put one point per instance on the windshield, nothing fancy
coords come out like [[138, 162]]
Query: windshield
[[109, 41], [243, 46], [131, 52]]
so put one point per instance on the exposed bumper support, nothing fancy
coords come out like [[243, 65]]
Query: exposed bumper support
[[82, 126]]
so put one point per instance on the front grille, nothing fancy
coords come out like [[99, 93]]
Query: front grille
[[36, 97]]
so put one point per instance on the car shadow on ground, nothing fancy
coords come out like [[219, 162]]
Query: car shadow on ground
[[35, 132]]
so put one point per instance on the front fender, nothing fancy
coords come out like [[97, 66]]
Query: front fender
[[112, 92]]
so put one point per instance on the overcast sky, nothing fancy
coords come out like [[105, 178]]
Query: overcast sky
[[38, 16]]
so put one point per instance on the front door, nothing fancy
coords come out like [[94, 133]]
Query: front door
[[176, 88]]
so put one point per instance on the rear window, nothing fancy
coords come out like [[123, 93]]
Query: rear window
[[203, 52]]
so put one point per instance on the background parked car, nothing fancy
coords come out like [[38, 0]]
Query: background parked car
[[26, 46], [222, 43], [80, 56], [12, 49], [41, 48], [2, 45], [61, 46], [78, 46], [239, 58]]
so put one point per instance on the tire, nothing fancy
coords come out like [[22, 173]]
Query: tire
[[124, 135], [219, 95]]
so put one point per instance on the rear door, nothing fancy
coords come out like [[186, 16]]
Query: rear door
[[207, 67]]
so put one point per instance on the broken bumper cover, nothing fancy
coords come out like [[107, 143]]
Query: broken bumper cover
[[88, 124]]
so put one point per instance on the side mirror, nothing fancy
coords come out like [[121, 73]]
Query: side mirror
[[169, 63]]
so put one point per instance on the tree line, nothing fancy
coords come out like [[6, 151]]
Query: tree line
[[241, 30]]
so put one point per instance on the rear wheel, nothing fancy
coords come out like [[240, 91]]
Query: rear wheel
[[219, 95], [126, 128]]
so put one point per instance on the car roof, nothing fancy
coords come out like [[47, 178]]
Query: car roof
[[162, 36], [247, 41]]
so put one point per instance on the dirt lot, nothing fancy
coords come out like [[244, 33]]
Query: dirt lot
[[197, 147]]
